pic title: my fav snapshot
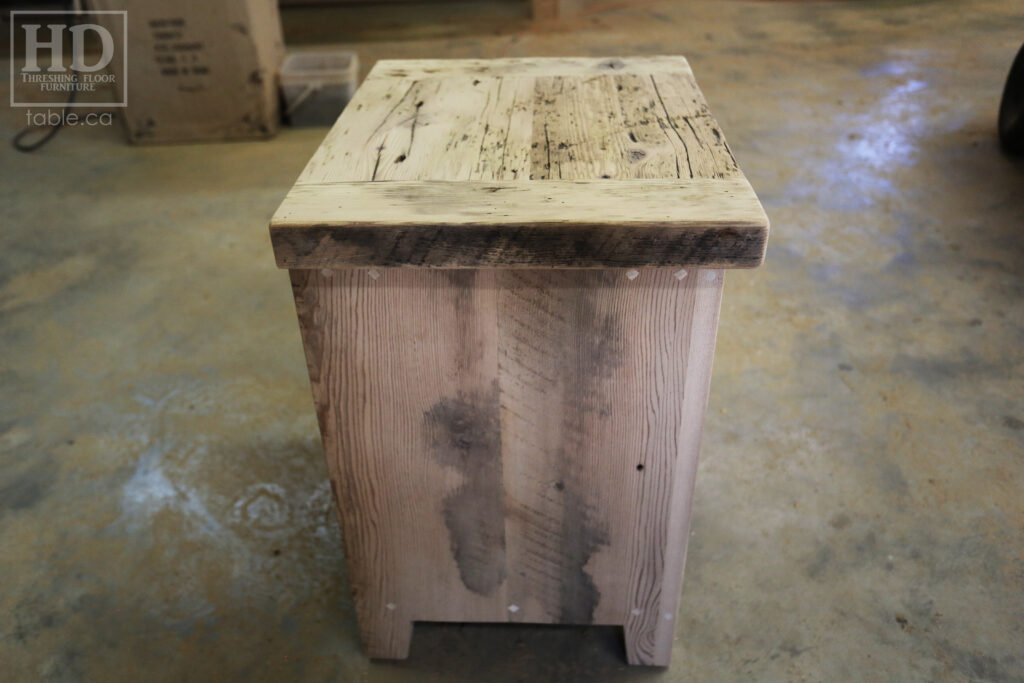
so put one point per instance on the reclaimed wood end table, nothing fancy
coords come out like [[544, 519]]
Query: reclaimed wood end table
[[508, 275]]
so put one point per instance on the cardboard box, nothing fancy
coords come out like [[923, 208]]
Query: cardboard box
[[199, 71]]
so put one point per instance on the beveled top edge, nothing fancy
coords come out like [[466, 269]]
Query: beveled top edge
[[570, 224], [528, 66], [705, 202]]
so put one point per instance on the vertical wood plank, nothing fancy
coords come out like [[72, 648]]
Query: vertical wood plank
[[603, 384], [403, 365], [689, 120], [578, 129], [350, 150], [558, 350], [664, 509], [505, 148]]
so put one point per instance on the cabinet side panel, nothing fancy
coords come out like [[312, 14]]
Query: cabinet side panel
[[595, 390], [403, 367]]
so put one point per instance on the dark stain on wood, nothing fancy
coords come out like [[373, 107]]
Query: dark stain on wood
[[513, 245], [306, 292], [597, 350], [597, 346], [461, 284], [582, 345], [464, 433], [581, 537]]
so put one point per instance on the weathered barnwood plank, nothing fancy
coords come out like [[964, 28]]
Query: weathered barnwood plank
[[601, 376], [409, 416], [521, 224], [447, 153], [531, 67]]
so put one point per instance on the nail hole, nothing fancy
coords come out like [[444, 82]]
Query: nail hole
[[640, 467]]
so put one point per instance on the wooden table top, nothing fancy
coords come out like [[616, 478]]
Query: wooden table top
[[513, 163]]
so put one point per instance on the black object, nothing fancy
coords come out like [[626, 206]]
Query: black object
[[1011, 110], [19, 139]]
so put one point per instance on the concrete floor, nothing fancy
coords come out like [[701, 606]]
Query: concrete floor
[[859, 512]]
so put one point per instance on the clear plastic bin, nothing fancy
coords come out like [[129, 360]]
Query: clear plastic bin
[[317, 85]]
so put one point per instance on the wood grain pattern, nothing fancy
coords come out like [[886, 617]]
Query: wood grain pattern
[[529, 66], [521, 224], [505, 125], [516, 442], [409, 419], [512, 445]]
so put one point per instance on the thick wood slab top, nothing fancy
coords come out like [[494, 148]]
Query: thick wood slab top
[[573, 163]]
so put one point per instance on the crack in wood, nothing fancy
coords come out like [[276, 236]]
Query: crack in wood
[[673, 125]]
